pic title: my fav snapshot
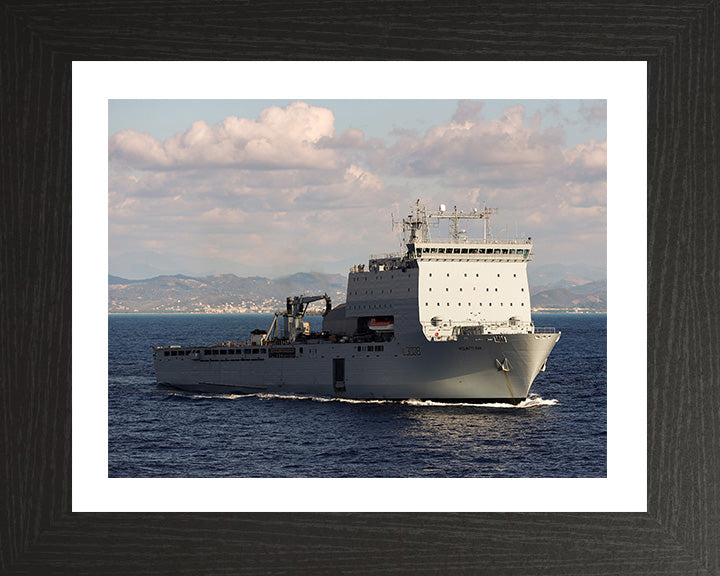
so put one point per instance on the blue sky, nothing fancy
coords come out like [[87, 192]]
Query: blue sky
[[273, 187], [376, 118]]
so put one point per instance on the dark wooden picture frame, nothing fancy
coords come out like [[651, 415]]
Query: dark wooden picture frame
[[680, 533]]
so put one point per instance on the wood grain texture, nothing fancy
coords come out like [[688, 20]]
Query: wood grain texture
[[681, 532]]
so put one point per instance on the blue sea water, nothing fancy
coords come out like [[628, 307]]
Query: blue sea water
[[158, 432]]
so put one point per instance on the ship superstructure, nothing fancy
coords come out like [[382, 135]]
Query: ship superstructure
[[444, 319]]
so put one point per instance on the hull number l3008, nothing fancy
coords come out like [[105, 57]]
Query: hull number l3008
[[411, 351]]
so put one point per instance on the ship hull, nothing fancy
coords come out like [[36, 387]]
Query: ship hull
[[470, 369]]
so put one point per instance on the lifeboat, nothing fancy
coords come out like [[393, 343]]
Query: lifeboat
[[382, 324]]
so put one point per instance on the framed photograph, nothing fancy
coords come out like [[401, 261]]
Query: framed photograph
[[659, 517], [331, 205], [430, 343]]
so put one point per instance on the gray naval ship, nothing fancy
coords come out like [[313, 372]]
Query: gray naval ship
[[447, 320]]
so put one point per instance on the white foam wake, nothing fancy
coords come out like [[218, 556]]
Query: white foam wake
[[320, 399], [535, 400], [531, 401]]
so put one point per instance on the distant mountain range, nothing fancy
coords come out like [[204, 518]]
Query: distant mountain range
[[218, 293], [549, 276], [566, 287], [552, 287], [588, 297]]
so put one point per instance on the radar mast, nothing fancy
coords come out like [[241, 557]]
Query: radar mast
[[416, 226]]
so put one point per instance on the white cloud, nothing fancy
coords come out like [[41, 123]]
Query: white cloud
[[284, 185], [587, 161], [279, 139], [468, 148]]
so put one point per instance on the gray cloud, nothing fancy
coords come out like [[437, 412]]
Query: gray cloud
[[506, 150], [594, 111], [467, 111]]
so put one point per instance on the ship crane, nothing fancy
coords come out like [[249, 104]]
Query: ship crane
[[298, 305], [293, 315]]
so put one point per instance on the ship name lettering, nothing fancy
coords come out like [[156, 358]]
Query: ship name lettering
[[411, 351]]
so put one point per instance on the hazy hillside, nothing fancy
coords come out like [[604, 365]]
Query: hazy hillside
[[218, 293], [591, 297], [550, 276], [568, 287]]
